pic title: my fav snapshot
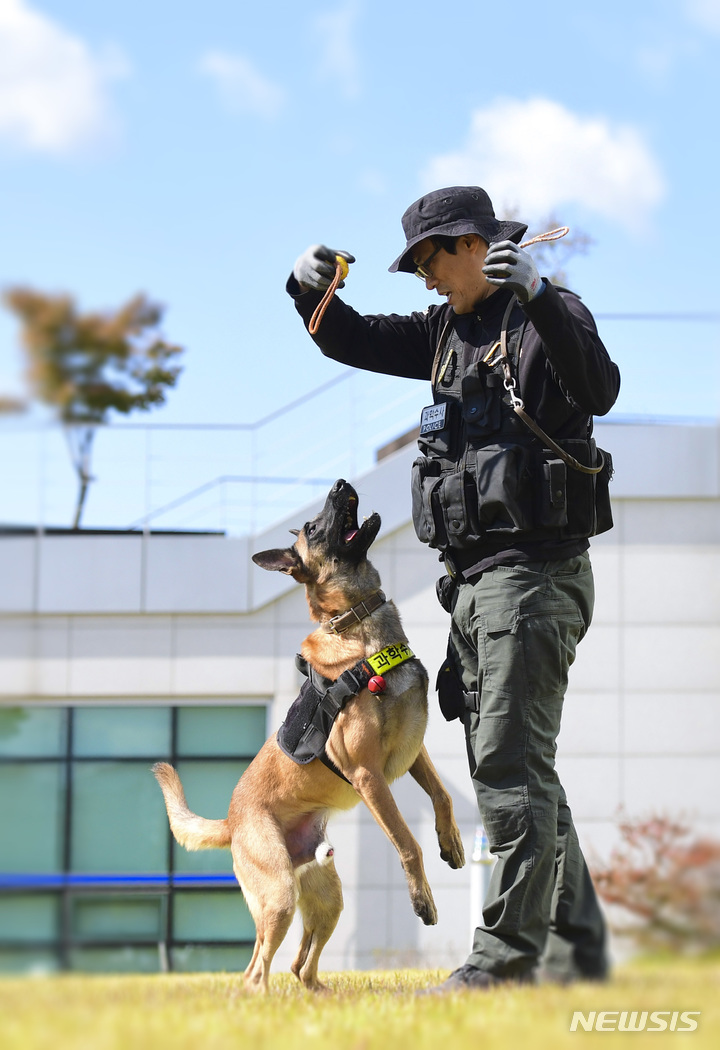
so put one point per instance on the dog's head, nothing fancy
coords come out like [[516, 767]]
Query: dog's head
[[330, 541]]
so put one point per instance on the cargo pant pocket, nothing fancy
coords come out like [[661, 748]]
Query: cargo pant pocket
[[529, 654], [502, 654]]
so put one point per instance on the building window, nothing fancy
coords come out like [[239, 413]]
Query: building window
[[90, 876]]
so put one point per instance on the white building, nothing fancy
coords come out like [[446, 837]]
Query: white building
[[144, 636]]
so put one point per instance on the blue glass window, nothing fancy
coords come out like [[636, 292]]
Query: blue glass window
[[90, 877]]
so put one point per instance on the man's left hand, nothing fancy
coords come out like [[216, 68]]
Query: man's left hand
[[508, 266]]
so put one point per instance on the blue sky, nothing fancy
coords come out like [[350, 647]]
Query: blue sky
[[192, 151]]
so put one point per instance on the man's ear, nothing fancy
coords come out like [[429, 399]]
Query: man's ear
[[277, 560], [471, 242]]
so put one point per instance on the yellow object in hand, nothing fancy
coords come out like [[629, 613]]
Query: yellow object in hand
[[343, 266]]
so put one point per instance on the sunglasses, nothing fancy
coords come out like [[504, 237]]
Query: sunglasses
[[423, 271]]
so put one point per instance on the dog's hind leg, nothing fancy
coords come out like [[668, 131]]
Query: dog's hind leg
[[320, 903], [451, 847], [269, 886], [272, 917], [250, 968], [275, 926]]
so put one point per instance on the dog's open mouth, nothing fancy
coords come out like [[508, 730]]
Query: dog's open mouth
[[350, 525], [354, 536]]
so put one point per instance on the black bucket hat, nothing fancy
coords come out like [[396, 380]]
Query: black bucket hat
[[451, 213]]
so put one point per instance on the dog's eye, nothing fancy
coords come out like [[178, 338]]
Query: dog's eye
[[310, 529]]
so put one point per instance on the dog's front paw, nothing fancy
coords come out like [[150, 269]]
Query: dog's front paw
[[424, 907], [451, 847]]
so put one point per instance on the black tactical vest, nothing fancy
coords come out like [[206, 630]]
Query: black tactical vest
[[484, 478]]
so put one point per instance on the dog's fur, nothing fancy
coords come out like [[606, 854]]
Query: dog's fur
[[276, 825]]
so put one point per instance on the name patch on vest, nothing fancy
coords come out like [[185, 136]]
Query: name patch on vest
[[433, 418]]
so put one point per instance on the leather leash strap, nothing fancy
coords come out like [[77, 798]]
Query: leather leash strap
[[519, 407], [322, 306], [551, 235]]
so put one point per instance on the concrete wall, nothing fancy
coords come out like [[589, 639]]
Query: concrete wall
[[170, 618]]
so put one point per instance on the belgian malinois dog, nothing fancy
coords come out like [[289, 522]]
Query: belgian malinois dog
[[276, 824]]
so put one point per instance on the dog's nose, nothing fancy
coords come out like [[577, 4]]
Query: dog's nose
[[339, 484]]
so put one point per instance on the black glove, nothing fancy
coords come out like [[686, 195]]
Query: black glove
[[315, 268], [508, 266]]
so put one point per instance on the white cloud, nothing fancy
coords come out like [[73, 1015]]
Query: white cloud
[[339, 61], [706, 13], [242, 87], [537, 156], [52, 87]]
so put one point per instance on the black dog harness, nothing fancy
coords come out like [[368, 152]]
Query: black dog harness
[[305, 731]]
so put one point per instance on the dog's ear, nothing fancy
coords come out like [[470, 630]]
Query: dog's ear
[[280, 560]]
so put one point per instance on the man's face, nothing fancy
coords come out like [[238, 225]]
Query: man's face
[[458, 277]]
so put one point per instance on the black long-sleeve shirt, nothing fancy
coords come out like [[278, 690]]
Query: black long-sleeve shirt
[[565, 375]]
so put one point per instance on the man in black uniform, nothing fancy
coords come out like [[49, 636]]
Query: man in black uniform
[[509, 488]]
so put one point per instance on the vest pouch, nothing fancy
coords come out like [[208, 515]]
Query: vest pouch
[[426, 511], [481, 395], [552, 509], [457, 516], [580, 488], [504, 488], [304, 733], [603, 509]]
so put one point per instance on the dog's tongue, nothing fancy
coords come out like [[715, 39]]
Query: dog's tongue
[[350, 536]]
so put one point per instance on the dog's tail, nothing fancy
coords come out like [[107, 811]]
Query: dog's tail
[[191, 831]]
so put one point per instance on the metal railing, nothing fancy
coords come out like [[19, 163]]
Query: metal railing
[[236, 477], [241, 477]]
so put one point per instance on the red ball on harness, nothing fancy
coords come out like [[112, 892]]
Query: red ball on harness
[[377, 684]]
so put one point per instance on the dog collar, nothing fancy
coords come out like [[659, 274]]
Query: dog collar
[[359, 612]]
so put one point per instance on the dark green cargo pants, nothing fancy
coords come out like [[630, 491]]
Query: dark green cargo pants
[[514, 633]]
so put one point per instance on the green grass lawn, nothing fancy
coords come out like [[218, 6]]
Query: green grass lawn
[[371, 1010]]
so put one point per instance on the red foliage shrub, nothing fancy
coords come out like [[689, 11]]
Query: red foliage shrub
[[668, 880]]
